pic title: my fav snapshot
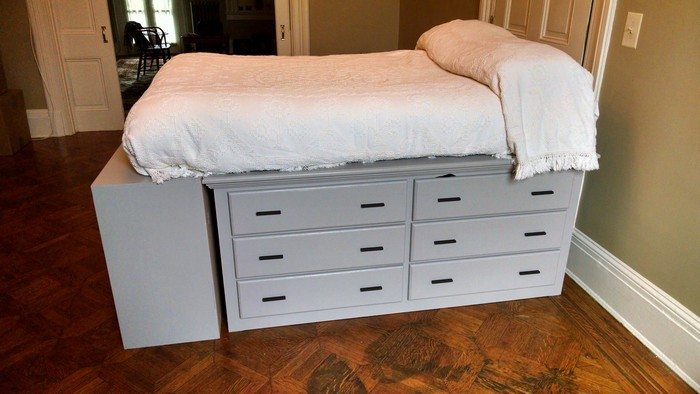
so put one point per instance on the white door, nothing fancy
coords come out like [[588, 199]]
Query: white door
[[560, 23], [282, 24], [85, 38]]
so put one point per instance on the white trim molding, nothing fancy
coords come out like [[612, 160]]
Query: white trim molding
[[602, 46], [48, 57], [39, 123], [299, 20], [667, 328]]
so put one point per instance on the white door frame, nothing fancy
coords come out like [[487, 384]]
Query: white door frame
[[299, 19], [50, 64], [292, 21], [598, 43]]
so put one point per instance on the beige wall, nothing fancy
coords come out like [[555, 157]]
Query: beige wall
[[644, 203], [361, 26], [353, 26], [20, 68], [417, 16]]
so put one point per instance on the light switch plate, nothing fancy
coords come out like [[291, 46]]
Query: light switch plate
[[632, 27]]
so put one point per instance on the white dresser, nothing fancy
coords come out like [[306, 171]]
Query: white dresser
[[388, 237]]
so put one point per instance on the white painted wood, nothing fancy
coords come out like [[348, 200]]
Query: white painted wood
[[560, 23], [602, 46], [283, 28], [39, 123], [292, 27], [299, 20], [160, 256], [238, 324], [596, 51], [318, 251], [318, 292], [85, 37], [450, 278], [492, 194], [352, 172], [665, 326], [406, 172], [317, 207], [50, 64], [474, 237], [485, 10]]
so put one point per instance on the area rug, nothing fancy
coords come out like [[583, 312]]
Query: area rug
[[132, 88]]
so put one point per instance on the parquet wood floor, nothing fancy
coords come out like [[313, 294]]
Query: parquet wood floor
[[58, 328]]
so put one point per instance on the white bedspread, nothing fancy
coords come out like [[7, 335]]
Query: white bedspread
[[205, 113], [547, 98]]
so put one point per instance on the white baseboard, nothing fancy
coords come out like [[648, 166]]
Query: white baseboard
[[661, 323], [39, 123]]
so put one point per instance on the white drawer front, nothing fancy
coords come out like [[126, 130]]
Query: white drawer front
[[317, 207], [317, 292], [294, 253], [493, 194], [472, 237], [451, 278]]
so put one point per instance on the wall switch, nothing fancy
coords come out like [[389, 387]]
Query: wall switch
[[632, 27]]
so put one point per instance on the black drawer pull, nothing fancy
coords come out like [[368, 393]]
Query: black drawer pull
[[536, 234], [449, 199], [372, 205], [371, 288], [271, 299], [445, 241], [271, 257], [440, 281], [533, 272], [372, 249], [267, 213], [447, 176], [542, 192]]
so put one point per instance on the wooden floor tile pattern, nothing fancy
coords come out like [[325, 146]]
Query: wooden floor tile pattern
[[58, 328]]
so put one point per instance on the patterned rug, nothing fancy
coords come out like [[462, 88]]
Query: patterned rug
[[131, 88]]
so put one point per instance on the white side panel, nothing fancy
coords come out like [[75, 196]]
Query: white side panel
[[159, 256]]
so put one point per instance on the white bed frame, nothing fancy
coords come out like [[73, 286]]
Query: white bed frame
[[356, 240]]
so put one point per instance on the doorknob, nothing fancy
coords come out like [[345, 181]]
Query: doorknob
[[282, 32], [104, 34]]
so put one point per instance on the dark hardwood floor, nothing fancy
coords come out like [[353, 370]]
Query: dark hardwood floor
[[58, 328]]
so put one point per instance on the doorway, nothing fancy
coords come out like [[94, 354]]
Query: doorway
[[240, 27]]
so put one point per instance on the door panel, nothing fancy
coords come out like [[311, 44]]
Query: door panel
[[560, 23], [85, 37], [87, 84], [514, 16]]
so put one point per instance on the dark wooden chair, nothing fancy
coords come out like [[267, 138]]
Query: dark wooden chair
[[154, 48]]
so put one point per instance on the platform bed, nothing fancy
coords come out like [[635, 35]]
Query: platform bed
[[351, 241]]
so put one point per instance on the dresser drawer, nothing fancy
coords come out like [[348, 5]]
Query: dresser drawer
[[493, 194], [317, 207], [317, 292], [471, 237], [329, 250], [451, 278]]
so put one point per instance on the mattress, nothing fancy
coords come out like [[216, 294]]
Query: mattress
[[212, 114]]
